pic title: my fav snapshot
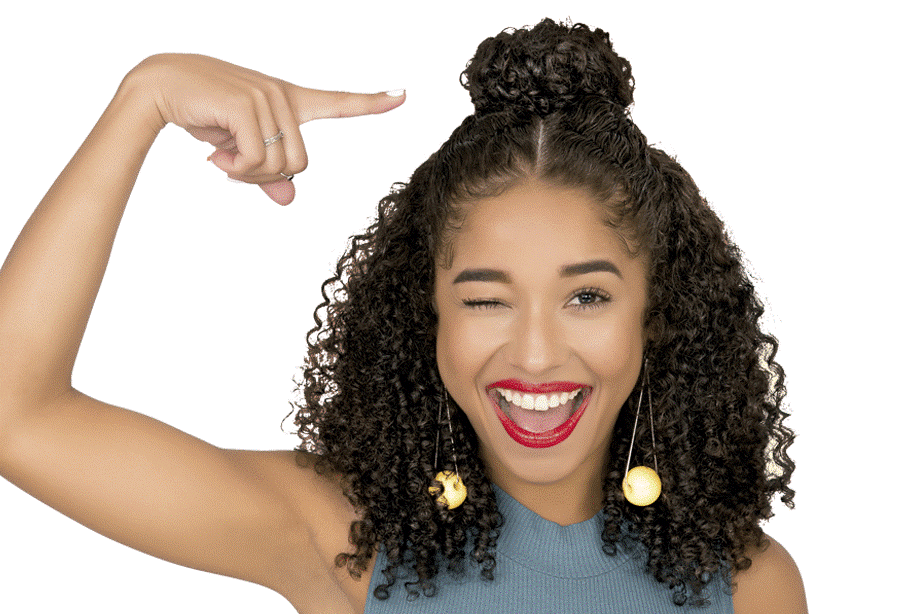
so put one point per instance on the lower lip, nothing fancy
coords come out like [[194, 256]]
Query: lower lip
[[546, 439]]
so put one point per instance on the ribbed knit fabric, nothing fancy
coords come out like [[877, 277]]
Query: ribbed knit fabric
[[545, 568]]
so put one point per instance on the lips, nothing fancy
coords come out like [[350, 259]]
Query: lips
[[538, 415], [520, 386]]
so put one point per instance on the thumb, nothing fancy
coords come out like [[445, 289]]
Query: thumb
[[320, 104], [281, 191]]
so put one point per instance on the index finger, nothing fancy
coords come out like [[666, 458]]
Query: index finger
[[320, 104]]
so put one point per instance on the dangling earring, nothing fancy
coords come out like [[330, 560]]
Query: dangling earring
[[641, 486], [454, 491]]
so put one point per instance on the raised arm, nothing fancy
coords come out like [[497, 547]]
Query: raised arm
[[120, 473]]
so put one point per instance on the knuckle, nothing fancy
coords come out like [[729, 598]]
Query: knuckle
[[259, 96], [277, 164], [253, 159], [356, 104], [274, 90], [242, 101], [296, 162]]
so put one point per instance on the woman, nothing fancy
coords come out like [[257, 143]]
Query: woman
[[547, 298]]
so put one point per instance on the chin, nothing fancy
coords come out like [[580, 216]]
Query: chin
[[544, 467]]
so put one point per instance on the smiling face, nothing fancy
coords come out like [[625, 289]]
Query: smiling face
[[541, 335]]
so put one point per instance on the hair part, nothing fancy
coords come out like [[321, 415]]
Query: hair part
[[538, 148]]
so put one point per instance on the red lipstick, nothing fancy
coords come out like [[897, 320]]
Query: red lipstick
[[545, 439], [520, 386]]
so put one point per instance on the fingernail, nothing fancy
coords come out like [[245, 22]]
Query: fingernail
[[234, 180], [395, 93]]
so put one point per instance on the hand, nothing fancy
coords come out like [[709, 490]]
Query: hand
[[236, 110]]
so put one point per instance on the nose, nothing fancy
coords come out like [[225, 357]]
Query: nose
[[537, 344]]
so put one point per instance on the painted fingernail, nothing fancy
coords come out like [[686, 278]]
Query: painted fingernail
[[395, 93]]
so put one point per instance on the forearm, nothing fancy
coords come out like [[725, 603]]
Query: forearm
[[53, 272], [51, 277]]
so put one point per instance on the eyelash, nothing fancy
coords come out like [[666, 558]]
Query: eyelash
[[481, 304], [601, 296]]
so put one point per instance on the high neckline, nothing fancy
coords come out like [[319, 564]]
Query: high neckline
[[571, 551]]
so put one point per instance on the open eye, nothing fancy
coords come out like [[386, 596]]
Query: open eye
[[589, 298]]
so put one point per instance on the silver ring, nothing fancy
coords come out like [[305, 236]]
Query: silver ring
[[274, 139], [288, 177]]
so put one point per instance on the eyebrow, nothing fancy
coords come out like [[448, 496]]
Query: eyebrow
[[592, 266], [570, 270], [492, 275]]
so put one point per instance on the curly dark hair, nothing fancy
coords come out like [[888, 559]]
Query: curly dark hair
[[551, 104]]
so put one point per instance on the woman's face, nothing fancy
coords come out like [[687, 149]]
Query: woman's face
[[541, 332]]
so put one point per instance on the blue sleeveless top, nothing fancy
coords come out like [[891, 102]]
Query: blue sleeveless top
[[544, 568]]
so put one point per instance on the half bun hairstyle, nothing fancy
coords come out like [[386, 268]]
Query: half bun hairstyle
[[522, 70], [551, 103]]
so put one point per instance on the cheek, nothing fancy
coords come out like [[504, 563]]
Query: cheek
[[453, 351], [463, 348], [612, 348], [445, 350]]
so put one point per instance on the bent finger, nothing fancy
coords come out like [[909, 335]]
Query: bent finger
[[245, 150], [294, 149]]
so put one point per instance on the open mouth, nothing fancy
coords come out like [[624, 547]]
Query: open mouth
[[542, 418]]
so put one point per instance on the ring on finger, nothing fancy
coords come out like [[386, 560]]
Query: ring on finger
[[274, 139], [288, 177]]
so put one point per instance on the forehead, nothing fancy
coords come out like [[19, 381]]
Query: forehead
[[536, 224]]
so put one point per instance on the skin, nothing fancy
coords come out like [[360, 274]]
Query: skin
[[263, 517], [539, 326]]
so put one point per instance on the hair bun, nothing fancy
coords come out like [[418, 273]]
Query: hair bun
[[546, 68]]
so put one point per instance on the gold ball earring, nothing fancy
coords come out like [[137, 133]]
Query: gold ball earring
[[454, 491], [642, 486]]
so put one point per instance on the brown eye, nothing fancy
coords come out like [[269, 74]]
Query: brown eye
[[589, 298]]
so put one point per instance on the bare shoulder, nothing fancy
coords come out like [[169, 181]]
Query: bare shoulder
[[772, 583]]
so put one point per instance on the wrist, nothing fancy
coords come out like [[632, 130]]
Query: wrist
[[138, 97]]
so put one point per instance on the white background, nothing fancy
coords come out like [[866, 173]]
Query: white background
[[790, 116]]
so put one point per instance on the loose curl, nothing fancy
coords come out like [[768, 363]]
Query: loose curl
[[551, 105]]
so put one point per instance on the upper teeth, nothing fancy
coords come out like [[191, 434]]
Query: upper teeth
[[537, 402]]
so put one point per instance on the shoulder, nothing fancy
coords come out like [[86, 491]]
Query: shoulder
[[771, 584]]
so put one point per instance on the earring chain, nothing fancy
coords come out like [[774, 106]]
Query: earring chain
[[645, 384], [445, 402]]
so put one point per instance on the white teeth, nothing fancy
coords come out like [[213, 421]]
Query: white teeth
[[537, 402]]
